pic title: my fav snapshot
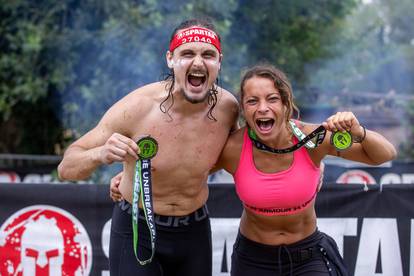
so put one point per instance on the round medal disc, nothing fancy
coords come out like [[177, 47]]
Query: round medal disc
[[148, 147], [341, 140]]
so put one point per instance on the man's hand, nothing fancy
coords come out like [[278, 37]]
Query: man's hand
[[114, 192], [117, 149]]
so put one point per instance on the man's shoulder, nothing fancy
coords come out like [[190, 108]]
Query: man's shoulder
[[226, 93], [144, 94], [228, 98], [235, 142], [149, 90], [140, 100]]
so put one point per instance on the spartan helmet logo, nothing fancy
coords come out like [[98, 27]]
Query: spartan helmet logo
[[356, 177], [38, 257], [147, 148], [43, 240]]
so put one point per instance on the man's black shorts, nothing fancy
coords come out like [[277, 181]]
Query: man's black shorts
[[183, 245]]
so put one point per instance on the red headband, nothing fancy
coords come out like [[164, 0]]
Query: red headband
[[195, 34]]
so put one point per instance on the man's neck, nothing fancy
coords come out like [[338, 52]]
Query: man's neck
[[185, 107]]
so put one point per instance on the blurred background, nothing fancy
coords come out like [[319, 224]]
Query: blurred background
[[64, 63]]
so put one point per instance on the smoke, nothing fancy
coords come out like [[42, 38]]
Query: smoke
[[370, 73], [370, 70], [112, 64]]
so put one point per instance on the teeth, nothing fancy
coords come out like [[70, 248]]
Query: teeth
[[263, 120], [197, 75]]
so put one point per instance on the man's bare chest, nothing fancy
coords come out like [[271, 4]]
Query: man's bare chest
[[195, 143]]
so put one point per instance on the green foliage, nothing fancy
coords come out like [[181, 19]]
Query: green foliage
[[63, 63], [371, 53], [406, 149], [288, 34], [375, 54], [28, 74]]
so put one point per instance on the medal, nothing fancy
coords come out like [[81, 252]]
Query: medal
[[341, 140], [148, 147]]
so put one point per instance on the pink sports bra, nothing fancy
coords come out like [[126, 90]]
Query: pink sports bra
[[282, 193]]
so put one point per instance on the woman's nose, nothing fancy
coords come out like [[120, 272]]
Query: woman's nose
[[263, 107]]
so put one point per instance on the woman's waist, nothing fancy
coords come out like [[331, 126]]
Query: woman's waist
[[277, 230], [300, 251]]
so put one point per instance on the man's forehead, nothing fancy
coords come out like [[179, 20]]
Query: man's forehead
[[199, 35], [196, 47], [196, 30]]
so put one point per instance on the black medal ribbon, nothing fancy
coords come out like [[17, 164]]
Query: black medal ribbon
[[319, 133]]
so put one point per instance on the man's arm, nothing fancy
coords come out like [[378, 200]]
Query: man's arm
[[108, 142]]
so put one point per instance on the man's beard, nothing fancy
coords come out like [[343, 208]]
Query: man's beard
[[195, 100]]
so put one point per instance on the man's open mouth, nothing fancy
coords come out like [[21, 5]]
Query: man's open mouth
[[196, 79]]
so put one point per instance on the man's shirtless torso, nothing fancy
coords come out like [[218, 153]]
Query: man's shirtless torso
[[189, 145]]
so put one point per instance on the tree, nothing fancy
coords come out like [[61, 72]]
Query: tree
[[375, 58], [288, 34], [63, 63], [68, 61]]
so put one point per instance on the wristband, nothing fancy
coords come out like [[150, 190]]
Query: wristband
[[359, 140]]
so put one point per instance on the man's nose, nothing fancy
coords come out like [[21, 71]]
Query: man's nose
[[198, 61]]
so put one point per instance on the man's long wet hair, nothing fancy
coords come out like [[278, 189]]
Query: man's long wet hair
[[170, 78]]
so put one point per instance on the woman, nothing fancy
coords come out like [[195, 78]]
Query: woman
[[278, 233]]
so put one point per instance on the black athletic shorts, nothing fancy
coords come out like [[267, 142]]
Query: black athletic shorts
[[316, 255], [183, 245]]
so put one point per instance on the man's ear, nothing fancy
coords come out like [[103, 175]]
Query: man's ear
[[169, 58], [170, 64], [220, 60]]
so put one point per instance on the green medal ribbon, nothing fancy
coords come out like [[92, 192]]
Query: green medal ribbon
[[143, 190], [301, 136]]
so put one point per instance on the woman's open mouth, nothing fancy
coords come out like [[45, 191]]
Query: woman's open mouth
[[265, 125]]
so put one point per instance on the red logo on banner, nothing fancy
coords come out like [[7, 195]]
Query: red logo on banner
[[9, 177], [43, 240], [356, 177]]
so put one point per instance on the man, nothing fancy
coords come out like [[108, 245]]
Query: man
[[190, 117]]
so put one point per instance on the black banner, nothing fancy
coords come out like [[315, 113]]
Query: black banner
[[41, 169], [51, 229], [342, 171]]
